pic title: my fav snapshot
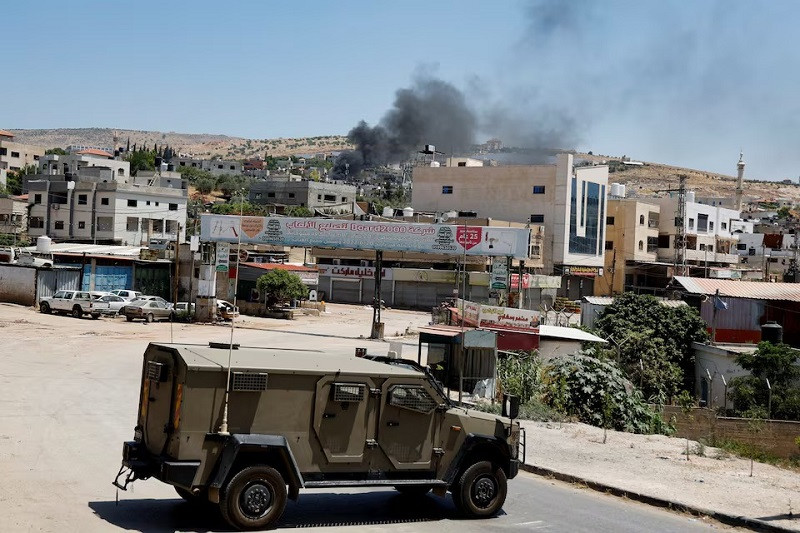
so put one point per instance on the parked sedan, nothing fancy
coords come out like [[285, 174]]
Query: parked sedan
[[147, 310], [126, 295], [115, 303], [158, 299]]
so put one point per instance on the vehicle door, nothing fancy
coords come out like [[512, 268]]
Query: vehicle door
[[57, 297], [345, 415], [64, 303], [409, 423]]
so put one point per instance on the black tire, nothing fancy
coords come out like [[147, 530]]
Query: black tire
[[149, 318], [412, 491], [481, 490], [95, 316], [254, 498], [44, 307], [129, 318], [77, 312]]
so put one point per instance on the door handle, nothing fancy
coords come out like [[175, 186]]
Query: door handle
[[328, 415], [392, 423]]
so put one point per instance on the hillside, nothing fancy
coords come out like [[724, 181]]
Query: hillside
[[200, 145], [645, 180]]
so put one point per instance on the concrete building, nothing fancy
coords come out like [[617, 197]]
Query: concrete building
[[15, 156], [216, 167], [631, 240], [569, 201], [13, 215], [95, 200], [772, 253], [333, 198]]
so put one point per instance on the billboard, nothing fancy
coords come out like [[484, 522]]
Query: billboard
[[366, 235], [491, 316]]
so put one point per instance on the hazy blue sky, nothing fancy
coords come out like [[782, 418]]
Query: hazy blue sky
[[687, 83]]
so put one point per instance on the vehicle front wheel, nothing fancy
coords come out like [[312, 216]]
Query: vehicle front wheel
[[481, 491], [45, 308], [254, 498], [77, 312], [149, 317]]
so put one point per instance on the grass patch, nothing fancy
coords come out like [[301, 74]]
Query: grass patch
[[746, 450]]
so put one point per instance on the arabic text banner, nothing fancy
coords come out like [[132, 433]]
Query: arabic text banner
[[365, 235]]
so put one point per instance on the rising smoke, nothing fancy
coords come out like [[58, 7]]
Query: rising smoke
[[431, 111]]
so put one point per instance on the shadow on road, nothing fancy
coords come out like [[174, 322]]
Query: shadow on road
[[311, 510]]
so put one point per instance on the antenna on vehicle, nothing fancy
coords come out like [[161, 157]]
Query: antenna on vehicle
[[223, 428]]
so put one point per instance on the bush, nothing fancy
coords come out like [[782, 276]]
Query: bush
[[520, 375], [280, 286], [597, 393]]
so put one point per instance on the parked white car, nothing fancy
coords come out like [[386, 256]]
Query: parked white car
[[115, 303], [77, 303], [126, 295]]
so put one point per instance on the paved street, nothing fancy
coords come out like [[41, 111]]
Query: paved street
[[69, 400]]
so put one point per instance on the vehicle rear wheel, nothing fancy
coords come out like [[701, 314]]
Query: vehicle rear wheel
[[77, 312], [45, 308], [95, 316], [413, 491], [149, 317], [129, 318], [254, 498], [481, 490]]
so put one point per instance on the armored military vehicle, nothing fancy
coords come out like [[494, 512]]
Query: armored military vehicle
[[301, 420]]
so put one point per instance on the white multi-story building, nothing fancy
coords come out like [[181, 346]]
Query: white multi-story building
[[95, 200], [772, 253], [569, 201], [16, 156]]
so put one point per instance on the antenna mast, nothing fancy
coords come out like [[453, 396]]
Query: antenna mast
[[679, 263]]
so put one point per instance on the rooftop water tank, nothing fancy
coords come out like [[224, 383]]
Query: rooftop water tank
[[435, 164], [690, 196], [388, 211], [622, 191], [408, 211], [43, 244], [772, 332], [616, 189]]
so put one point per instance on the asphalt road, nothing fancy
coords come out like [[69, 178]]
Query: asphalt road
[[534, 504]]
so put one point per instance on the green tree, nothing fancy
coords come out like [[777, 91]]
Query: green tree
[[784, 212], [676, 327], [141, 160], [55, 151], [777, 363], [204, 185], [279, 286], [298, 211], [597, 393], [652, 364]]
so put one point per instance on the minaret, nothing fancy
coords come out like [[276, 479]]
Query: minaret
[[739, 180]]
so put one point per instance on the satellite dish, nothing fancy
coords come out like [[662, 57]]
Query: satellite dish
[[444, 217]]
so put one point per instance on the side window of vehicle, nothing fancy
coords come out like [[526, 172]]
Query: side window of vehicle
[[67, 295], [413, 397], [59, 294]]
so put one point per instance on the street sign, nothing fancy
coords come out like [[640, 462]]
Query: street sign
[[499, 274], [223, 256]]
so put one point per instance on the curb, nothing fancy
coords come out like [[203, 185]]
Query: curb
[[728, 519]]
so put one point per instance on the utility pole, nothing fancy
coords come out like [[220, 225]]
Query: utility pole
[[714, 318], [177, 266], [680, 235]]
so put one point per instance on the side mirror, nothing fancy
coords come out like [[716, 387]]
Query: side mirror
[[510, 406]]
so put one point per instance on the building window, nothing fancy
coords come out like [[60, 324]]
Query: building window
[[702, 247], [702, 222], [36, 222], [641, 220], [173, 207], [59, 224], [133, 224], [158, 225], [147, 202], [609, 245], [257, 196], [233, 167], [741, 246], [344, 199], [319, 197], [724, 225], [641, 246], [37, 198], [691, 223], [291, 195], [710, 247], [121, 172], [103, 201], [105, 223], [592, 215], [652, 245], [219, 166], [81, 225], [82, 199], [172, 227], [156, 204], [14, 154], [538, 189], [132, 203], [447, 189], [194, 165], [270, 195], [183, 163], [330, 198], [609, 221], [537, 219], [710, 226], [3, 151]]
